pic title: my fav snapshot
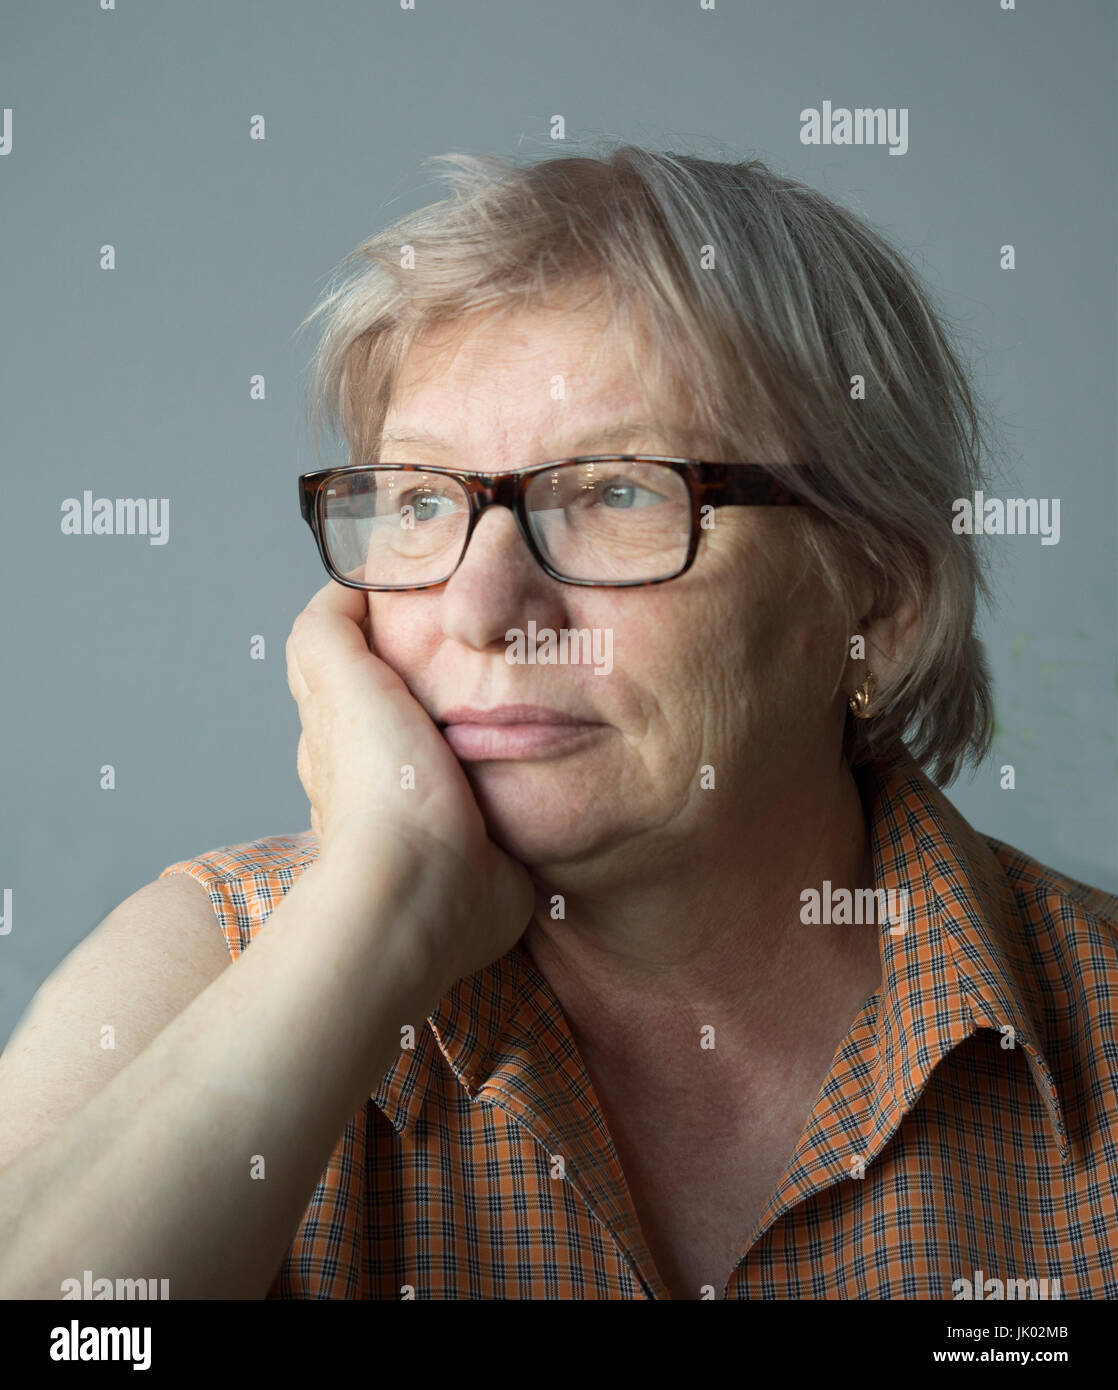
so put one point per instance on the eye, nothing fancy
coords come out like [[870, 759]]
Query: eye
[[618, 494], [427, 505]]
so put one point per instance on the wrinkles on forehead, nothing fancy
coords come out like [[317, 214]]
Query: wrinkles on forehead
[[605, 376]]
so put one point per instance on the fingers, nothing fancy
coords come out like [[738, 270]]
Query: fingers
[[295, 682], [367, 629], [353, 604], [303, 766], [327, 634], [339, 600]]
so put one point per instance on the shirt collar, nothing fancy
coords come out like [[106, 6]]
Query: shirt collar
[[961, 963]]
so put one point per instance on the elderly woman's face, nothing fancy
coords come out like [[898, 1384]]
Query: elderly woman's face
[[730, 667]]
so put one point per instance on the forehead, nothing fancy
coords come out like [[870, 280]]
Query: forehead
[[534, 378], [577, 342]]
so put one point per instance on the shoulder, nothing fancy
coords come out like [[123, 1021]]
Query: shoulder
[[1054, 902], [1067, 935], [1060, 953], [246, 882]]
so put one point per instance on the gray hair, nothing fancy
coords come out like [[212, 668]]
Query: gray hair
[[760, 299]]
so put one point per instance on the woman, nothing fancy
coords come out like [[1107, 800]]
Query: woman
[[667, 975]]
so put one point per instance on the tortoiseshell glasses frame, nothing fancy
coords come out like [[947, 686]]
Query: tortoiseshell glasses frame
[[708, 485]]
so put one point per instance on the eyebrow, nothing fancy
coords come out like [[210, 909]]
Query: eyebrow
[[609, 436]]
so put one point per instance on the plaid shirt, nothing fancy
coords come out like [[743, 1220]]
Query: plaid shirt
[[966, 1130]]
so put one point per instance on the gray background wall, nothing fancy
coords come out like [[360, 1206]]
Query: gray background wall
[[131, 127]]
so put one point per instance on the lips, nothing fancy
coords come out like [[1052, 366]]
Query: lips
[[510, 714], [506, 732]]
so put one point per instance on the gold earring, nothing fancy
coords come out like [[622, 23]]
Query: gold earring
[[860, 700]]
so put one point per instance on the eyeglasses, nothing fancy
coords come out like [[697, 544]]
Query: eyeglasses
[[613, 520]]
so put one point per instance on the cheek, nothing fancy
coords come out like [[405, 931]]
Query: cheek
[[786, 616], [811, 660], [402, 630], [767, 636]]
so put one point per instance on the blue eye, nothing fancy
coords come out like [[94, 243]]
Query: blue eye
[[618, 496], [426, 504]]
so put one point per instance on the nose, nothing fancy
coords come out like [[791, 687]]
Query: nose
[[498, 544], [498, 585]]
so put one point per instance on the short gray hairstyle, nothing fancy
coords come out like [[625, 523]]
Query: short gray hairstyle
[[760, 299]]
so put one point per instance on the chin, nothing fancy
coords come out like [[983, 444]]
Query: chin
[[539, 814]]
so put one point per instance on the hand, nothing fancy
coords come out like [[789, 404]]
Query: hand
[[362, 731]]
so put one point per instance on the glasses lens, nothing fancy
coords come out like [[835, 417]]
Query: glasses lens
[[611, 521], [393, 526]]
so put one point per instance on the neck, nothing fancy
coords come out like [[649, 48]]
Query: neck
[[709, 933]]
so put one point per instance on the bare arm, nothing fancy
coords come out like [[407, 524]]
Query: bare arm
[[145, 1172], [151, 1176], [134, 973]]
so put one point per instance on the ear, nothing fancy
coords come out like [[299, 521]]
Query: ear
[[889, 638]]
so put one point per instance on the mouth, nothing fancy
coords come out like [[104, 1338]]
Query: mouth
[[516, 732]]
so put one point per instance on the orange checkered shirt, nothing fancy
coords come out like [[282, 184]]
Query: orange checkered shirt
[[966, 1130]]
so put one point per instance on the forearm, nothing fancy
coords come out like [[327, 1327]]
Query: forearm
[[154, 1176]]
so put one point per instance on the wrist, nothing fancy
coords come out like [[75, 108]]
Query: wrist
[[411, 888]]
